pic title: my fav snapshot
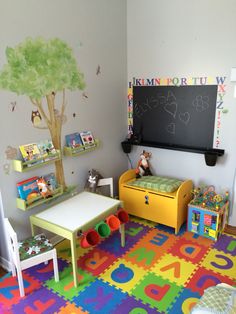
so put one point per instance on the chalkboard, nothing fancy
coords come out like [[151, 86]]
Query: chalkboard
[[180, 116]]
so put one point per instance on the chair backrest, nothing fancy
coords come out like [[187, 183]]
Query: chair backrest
[[106, 181], [12, 241]]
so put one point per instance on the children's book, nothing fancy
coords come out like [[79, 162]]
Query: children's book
[[29, 151], [87, 139], [74, 141], [46, 149], [28, 189], [51, 181]]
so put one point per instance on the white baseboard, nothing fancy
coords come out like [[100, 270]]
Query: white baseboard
[[5, 264]]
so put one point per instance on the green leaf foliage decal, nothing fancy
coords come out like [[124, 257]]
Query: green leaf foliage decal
[[37, 67]]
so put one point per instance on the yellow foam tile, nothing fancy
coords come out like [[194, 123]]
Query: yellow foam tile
[[220, 262], [123, 275], [174, 269]]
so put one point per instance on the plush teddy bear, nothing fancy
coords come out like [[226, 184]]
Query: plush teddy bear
[[143, 168]]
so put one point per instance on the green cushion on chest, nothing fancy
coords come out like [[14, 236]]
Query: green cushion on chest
[[159, 184]]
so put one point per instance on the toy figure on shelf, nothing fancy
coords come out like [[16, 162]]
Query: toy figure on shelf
[[92, 181], [143, 168], [44, 188]]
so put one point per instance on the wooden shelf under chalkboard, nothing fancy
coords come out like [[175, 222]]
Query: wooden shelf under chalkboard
[[211, 154]]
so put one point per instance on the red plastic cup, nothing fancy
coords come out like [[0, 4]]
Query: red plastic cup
[[90, 238], [113, 222], [122, 215]]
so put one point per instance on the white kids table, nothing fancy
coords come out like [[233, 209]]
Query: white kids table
[[79, 213]]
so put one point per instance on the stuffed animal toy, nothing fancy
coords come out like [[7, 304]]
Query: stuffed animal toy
[[92, 181], [44, 188], [143, 168]]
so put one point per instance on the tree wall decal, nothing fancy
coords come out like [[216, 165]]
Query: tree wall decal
[[40, 69]]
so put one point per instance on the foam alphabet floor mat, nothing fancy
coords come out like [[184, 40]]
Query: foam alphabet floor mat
[[156, 272]]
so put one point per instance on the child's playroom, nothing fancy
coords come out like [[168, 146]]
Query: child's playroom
[[118, 168]]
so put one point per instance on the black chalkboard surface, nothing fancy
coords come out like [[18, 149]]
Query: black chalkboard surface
[[179, 116]]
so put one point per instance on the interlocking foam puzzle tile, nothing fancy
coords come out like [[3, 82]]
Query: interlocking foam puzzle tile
[[150, 248], [123, 275], [204, 278], [133, 232], [44, 272], [131, 305], [96, 261], [64, 251], [65, 287], [9, 288], [71, 308], [220, 262], [184, 302], [227, 244], [190, 251], [171, 230], [197, 238], [156, 291], [142, 221], [99, 297], [174, 269], [41, 301]]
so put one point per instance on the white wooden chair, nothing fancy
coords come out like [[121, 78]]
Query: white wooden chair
[[106, 181], [39, 250]]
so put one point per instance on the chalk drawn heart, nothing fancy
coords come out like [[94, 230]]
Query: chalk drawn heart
[[171, 128], [171, 108], [184, 117]]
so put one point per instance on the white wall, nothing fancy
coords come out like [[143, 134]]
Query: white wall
[[187, 39], [96, 30]]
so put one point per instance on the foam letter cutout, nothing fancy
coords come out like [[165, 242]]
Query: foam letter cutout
[[160, 239], [205, 278], [188, 304], [227, 265], [232, 246], [141, 254], [176, 266], [122, 274], [138, 310], [95, 261], [39, 307], [190, 250], [156, 292], [133, 231], [101, 299]]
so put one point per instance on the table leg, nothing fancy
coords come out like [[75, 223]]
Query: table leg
[[122, 234], [32, 229], [74, 259]]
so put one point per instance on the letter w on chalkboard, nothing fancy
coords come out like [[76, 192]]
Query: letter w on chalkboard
[[180, 116]]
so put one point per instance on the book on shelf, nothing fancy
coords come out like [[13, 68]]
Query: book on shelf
[[30, 152], [74, 141], [47, 150], [87, 139], [28, 189]]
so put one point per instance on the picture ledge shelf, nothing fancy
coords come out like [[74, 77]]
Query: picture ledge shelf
[[56, 198], [69, 151], [23, 166]]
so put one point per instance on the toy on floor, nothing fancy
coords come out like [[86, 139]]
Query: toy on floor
[[143, 168], [92, 180]]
